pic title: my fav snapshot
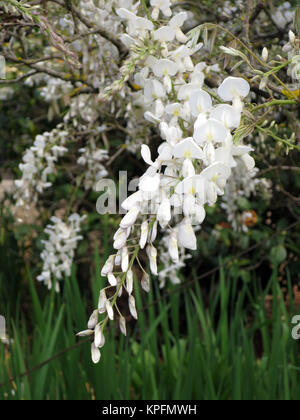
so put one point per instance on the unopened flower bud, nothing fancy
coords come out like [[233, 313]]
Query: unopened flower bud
[[125, 259], [93, 320], [265, 54], [109, 310], [292, 37], [132, 307], [152, 255], [108, 266], [111, 279], [173, 247], [85, 333], [101, 302], [129, 282], [145, 282], [144, 234], [96, 355], [130, 218], [122, 324], [99, 337]]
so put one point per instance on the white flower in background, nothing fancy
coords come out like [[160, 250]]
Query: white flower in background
[[92, 158], [160, 5], [242, 184], [284, 15], [59, 249], [186, 235], [176, 23], [38, 163]]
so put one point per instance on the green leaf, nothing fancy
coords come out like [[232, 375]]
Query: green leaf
[[278, 254], [244, 204]]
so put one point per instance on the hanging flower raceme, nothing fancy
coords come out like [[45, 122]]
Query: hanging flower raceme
[[191, 169], [59, 249]]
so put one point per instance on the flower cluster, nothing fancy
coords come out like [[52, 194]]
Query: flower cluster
[[59, 249], [142, 78], [193, 165], [171, 270], [242, 184], [82, 125], [292, 48], [92, 158], [283, 15], [38, 163], [98, 54]]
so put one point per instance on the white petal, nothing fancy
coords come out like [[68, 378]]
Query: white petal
[[178, 20], [108, 266], [248, 161], [188, 149], [93, 320], [132, 200], [233, 87], [186, 236], [122, 324], [130, 218], [102, 302], [200, 101], [129, 282], [164, 213], [146, 154], [96, 354], [85, 333], [109, 310], [200, 214], [132, 307], [145, 282], [193, 185], [144, 234], [215, 170], [165, 34], [120, 238], [152, 255], [112, 279], [227, 114], [189, 202], [165, 67], [188, 169], [211, 130], [149, 183], [125, 259], [173, 247], [99, 337]]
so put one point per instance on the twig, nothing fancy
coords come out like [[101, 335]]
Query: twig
[[282, 168]]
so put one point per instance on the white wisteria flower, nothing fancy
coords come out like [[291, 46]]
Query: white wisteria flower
[[234, 89], [192, 165], [59, 249], [161, 5]]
